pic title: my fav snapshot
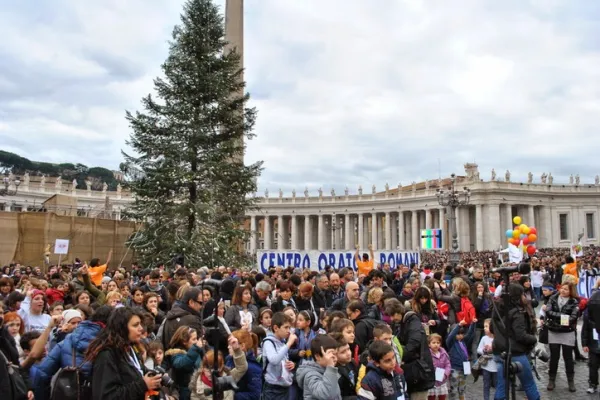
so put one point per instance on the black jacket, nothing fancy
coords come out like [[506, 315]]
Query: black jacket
[[180, 315], [9, 349], [523, 338], [113, 378], [591, 321], [363, 331], [347, 380], [554, 312], [412, 335]]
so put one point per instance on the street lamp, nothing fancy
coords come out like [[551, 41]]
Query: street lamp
[[334, 227], [8, 182], [452, 199]]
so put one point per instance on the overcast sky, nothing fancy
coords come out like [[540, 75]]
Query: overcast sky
[[349, 92]]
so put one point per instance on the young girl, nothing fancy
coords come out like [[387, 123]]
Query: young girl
[[154, 355], [202, 378], [305, 336], [346, 328], [264, 319], [441, 360], [184, 356], [457, 345], [486, 361]]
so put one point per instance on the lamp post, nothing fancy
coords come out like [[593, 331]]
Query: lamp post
[[452, 199], [7, 183], [334, 227]]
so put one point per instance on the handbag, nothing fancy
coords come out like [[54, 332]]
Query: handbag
[[17, 383], [69, 384], [419, 374], [543, 334]]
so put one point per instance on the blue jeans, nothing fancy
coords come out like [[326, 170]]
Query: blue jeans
[[538, 293], [525, 376], [489, 378]]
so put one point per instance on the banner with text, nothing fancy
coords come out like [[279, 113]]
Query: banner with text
[[317, 260]]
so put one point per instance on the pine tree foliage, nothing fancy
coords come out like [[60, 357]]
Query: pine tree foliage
[[194, 189]]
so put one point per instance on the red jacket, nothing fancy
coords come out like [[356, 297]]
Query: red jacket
[[54, 295]]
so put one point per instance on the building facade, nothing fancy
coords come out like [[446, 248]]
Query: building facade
[[393, 219]]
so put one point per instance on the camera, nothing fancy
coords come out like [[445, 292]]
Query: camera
[[540, 354], [222, 384], [165, 379]]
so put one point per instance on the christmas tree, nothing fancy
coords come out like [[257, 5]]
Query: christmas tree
[[192, 188]]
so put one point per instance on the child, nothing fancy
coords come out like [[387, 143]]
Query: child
[[305, 336], [346, 368], [441, 360], [155, 355], [319, 379], [346, 328], [381, 332], [184, 356], [486, 360], [264, 318], [381, 382], [457, 345], [278, 368]]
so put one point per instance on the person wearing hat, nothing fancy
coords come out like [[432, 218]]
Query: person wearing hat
[[71, 319], [32, 311]]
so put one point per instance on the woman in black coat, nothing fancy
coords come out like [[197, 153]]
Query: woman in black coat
[[118, 372]]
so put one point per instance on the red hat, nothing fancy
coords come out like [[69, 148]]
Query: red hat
[[38, 292]]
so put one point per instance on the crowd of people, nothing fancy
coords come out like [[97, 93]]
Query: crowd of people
[[418, 332]]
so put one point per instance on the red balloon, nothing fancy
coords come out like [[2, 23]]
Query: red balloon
[[532, 230], [531, 250], [526, 241]]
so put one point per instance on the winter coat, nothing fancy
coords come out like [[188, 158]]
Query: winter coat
[[250, 384], [180, 315], [331, 297], [54, 295], [279, 304], [483, 308], [442, 360], [61, 356], [378, 384], [114, 378], [457, 355], [183, 364], [162, 292], [9, 349], [363, 331], [453, 301], [197, 386], [347, 380], [233, 319], [340, 304], [411, 338], [554, 312], [317, 382], [523, 337]]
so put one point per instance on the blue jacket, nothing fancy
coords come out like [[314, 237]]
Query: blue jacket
[[457, 355], [378, 384], [184, 364], [61, 356], [251, 383]]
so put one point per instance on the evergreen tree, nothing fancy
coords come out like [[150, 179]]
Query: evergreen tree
[[193, 188]]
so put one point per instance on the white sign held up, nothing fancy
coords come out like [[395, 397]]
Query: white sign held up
[[61, 246]]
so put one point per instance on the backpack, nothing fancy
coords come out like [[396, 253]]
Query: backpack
[[17, 383], [467, 311], [443, 309], [69, 384]]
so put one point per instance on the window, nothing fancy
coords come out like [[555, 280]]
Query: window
[[589, 226], [564, 226]]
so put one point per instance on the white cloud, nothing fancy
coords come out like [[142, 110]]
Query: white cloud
[[349, 92]]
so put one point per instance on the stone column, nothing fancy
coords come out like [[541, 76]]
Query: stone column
[[546, 238], [415, 231], [428, 219], [253, 234], [508, 216], [321, 233], [394, 233], [281, 239], [267, 233], [374, 231], [530, 216], [479, 227], [380, 231], [349, 233], [307, 232], [337, 233], [493, 229], [294, 232], [361, 231], [401, 235], [388, 231]]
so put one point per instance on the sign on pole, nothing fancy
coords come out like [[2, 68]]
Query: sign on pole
[[431, 239], [61, 246]]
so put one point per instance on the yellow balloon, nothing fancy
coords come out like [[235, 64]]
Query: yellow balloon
[[516, 233], [517, 220], [526, 230], [522, 228]]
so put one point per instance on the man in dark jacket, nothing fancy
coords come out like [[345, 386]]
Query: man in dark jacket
[[185, 312], [261, 293], [352, 293], [591, 326], [363, 325]]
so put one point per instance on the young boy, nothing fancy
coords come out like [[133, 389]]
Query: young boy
[[319, 378], [381, 382], [278, 368], [486, 360], [381, 332], [346, 368], [457, 344]]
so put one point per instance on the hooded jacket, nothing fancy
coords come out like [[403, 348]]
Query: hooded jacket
[[184, 363], [61, 356], [378, 384], [180, 315], [317, 382]]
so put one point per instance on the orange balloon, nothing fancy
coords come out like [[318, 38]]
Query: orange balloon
[[516, 233], [532, 237]]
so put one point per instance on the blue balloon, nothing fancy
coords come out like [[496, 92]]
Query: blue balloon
[[523, 236], [509, 234]]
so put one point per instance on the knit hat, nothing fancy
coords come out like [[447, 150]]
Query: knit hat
[[106, 279], [68, 315], [547, 285], [38, 292]]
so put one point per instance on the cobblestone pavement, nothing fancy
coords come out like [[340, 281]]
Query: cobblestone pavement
[[475, 390]]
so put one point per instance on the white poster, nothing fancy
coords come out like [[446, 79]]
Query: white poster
[[61, 246], [317, 260]]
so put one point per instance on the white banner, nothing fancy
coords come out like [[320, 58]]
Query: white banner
[[317, 260], [61, 246]]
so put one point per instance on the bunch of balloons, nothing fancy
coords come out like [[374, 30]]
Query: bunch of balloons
[[522, 234]]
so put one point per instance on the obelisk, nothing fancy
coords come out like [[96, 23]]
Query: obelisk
[[234, 35]]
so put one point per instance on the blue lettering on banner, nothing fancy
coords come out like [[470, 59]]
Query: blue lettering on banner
[[318, 260]]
